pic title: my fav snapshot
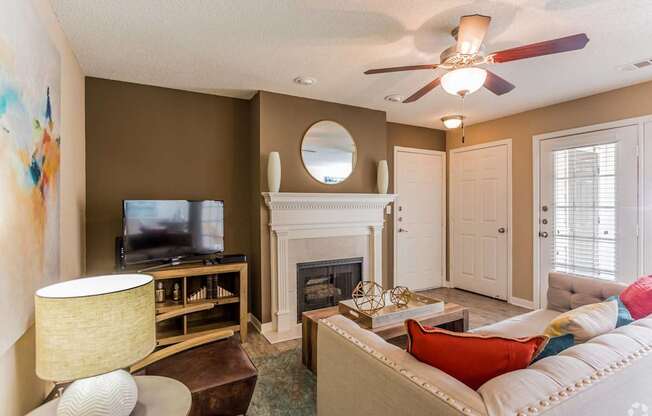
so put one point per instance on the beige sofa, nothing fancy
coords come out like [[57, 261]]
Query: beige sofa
[[359, 373]]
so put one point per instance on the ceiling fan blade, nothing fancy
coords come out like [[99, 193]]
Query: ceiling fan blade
[[565, 44], [497, 85], [471, 33], [400, 68], [423, 91]]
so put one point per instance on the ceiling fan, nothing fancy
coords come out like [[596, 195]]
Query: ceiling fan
[[463, 59]]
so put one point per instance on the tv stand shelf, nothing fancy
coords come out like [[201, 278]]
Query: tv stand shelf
[[181, 320]]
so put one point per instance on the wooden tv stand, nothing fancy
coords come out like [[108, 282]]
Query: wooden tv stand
[[184, 320]]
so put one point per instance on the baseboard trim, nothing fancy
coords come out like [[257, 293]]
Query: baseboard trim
[[523, 303], [260, 327], [267, 331]]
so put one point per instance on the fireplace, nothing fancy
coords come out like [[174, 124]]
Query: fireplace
[[321, 284], [308, 227]]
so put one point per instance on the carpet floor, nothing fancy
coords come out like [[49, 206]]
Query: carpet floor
[[284, 388]]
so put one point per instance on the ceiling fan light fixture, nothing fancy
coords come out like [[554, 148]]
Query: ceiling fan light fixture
[[463, 81], [452, 122]]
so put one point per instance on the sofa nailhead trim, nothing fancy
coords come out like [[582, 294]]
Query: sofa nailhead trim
[[531, 409], [611, 369], [413, 378]]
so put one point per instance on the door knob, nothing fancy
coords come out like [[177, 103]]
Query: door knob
[[501, 230], [402, 230], [543, 234]]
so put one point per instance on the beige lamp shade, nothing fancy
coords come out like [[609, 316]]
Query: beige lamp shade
[[91, 326]]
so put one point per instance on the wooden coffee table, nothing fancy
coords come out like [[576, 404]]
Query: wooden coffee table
[[453, 318]]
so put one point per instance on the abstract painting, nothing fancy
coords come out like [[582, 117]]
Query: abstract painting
[[30, 141]]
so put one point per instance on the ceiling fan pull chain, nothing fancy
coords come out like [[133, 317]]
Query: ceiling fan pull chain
[[463, 119]]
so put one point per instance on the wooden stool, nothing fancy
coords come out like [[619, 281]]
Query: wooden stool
[[220, 376]]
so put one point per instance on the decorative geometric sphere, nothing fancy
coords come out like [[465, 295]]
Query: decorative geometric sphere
[[400, 296], [368, 297]]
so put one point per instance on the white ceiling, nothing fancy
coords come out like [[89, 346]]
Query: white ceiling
[[235, 47]]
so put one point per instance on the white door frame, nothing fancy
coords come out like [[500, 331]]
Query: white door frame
[[398, 149], [644, 265], [505, 142]]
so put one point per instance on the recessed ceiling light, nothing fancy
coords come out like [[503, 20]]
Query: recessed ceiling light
[[394, 98], [305, 81], [452, 122]]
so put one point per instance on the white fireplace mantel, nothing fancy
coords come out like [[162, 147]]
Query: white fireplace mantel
[[295, 216]]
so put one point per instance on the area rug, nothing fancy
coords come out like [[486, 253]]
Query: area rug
[[284, 387]]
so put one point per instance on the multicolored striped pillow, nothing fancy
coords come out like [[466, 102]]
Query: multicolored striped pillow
[[585, 322]]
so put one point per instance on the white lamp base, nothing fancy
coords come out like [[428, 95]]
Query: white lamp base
[[110, 394]]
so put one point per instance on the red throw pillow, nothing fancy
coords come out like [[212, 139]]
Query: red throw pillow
[[638, 297], [470, 358]]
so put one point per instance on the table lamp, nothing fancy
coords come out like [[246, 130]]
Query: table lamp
[[87, 331]]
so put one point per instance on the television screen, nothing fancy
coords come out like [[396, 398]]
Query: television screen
[[166, 229]]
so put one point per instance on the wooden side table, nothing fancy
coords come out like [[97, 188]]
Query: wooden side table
[[157, 396], [454, 318]]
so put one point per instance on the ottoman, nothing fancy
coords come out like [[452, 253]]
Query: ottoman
[[220, 376]]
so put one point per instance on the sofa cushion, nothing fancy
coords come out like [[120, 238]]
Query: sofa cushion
[[527, 325], [638, 297], [585, 322], [566, 292], [485, 357], [549, 384]]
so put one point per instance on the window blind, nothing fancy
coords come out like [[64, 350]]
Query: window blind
[[584, 195]]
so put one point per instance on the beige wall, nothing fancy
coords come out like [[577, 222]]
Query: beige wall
[[610, 106], [20, 389], [157, 143]]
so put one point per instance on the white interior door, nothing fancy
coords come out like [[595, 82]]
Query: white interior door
[[588, 215], [419, 218], [479, 219]]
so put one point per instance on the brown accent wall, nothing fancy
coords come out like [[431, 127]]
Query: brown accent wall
[[254, 209], [155, 143], [283, 121], [614, 105], [406, 136]]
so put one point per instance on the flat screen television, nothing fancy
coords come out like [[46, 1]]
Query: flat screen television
[[161, 230]]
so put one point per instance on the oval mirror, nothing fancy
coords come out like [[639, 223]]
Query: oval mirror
[[328, 152]]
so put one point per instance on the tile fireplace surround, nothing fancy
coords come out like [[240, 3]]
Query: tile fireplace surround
[[311, 227]]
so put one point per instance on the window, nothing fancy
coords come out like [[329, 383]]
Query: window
[[585, 215]]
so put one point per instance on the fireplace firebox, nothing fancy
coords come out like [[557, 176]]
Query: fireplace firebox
[[321, 284]]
